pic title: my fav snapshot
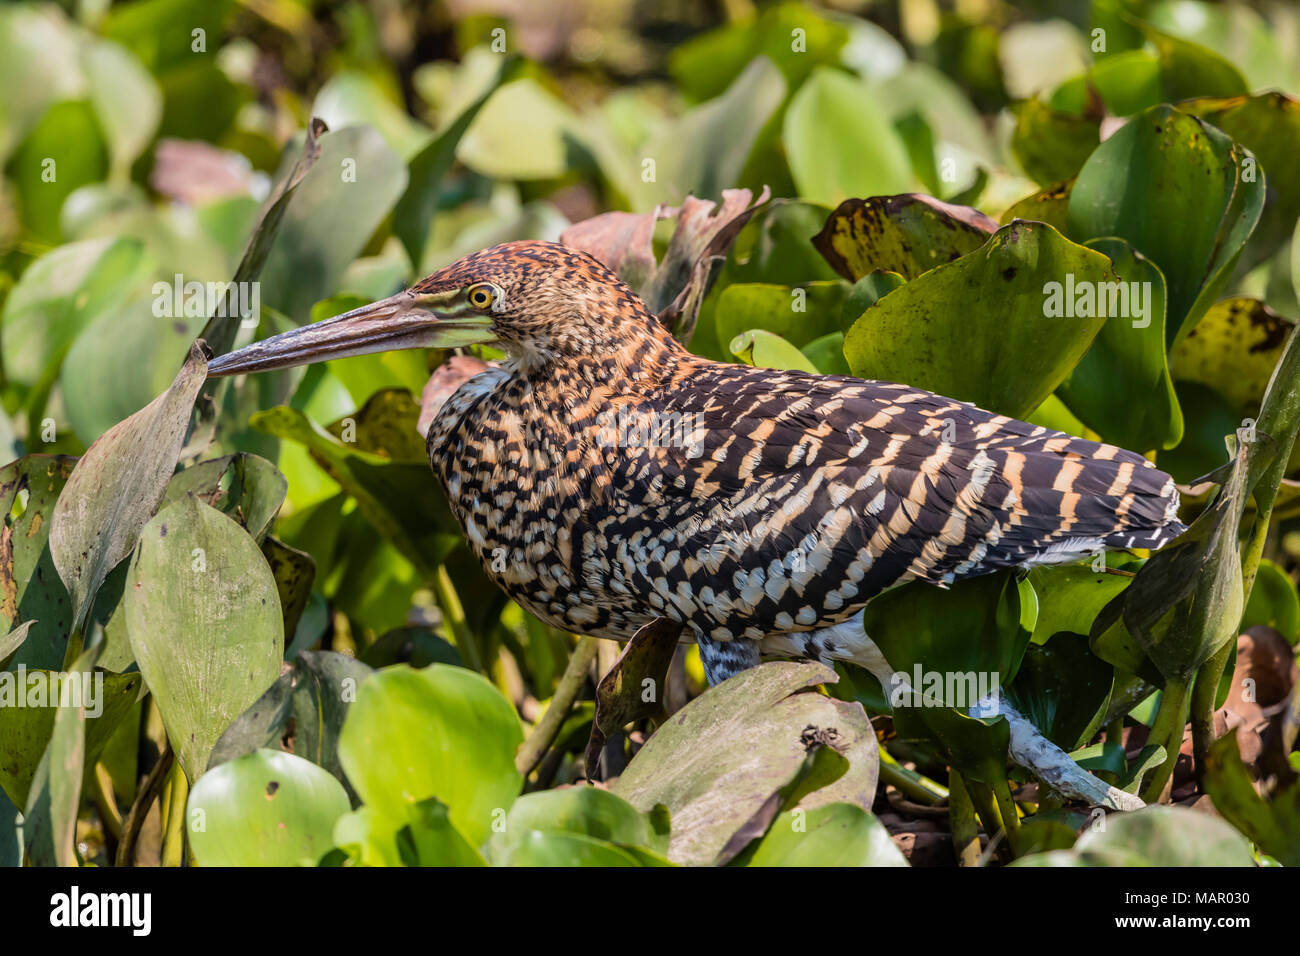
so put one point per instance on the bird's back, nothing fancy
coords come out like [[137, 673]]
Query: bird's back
[[747, 502]]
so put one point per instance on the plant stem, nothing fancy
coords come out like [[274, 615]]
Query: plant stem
[[1204, 692], [914, 785], [1010, 816], [173, 848], [453, 617], [532, 750], [961, 814], [101, 791], [144, 799], [1167, 731], [987, 807]]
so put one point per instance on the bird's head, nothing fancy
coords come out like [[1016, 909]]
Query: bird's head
[[540, 301]]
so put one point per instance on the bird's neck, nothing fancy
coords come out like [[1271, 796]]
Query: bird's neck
[[633, 355]]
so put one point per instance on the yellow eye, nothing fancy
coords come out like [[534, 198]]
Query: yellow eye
[[480, 296]]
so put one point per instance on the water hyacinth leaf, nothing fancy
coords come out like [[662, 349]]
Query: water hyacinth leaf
[[386, 751], [798, 315], [763, 349], [581, 811], [1122, 388], [984, 329], [417, 646], [127, 102], [525, 111], [977, 626], [117, 485], [1173, 188], [906, 234], [865, 293], [204, 623], [1187, 600], [1127, 81], [220, 330], [10, 642], [1269, 126], [352, 97], [294, 572], [58, 295], [1154, 836], [635, 686], [246, 487], [1233, 350], [827, 354], [324, 228], [537, 848], [839, 144], [1062, 688], [1188, 69], [1272, 824], [401, 499], [31, 593], [1070, 597], [838, 834], [722, 757], [26, 731], [430, 165], [310, 701], [1050, 205], [674, 287], [50, 812], [267, 808], [705, 151], [1273, 602], [68, 141], [1052, 145]]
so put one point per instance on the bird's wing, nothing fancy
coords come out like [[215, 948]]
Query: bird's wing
[[790, 498]]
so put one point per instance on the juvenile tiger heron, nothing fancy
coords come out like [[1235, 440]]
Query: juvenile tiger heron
[[606, 477]]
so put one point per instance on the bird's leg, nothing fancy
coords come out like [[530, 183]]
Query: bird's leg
[[723, 659]]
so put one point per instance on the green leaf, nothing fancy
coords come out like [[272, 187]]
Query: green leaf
[[401, 499], [65, 151], [1172, 187], [245, 487], [798, 315], [30, 590], [127, 102], [1273, 824], [1233, 350], [309, 701], [1070, 597], [1121, 388], [1050, 205], [718, 761], [58, 296], [908, 234], [1269, 126], [705, 150], [430, 165], [982, 329], [1155, 836], [26, 727], [1062, 689], [839, 144], [267, 808], [838, 834], [1188, 69], [116, 487], [204, 623], [579, 811], [329, 222], [763, 349], [407, 736], [1052, 145], [1273, 602]]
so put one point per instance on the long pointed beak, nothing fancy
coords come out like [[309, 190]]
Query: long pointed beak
[[403, 321]]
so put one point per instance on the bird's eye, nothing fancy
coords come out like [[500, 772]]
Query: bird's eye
[[480, 296]]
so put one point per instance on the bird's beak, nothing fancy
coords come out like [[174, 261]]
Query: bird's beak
[[407, 320]]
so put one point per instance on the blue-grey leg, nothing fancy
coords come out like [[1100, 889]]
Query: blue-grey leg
[[723, 659]]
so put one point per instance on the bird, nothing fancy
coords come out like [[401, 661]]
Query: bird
[[607, 478]]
